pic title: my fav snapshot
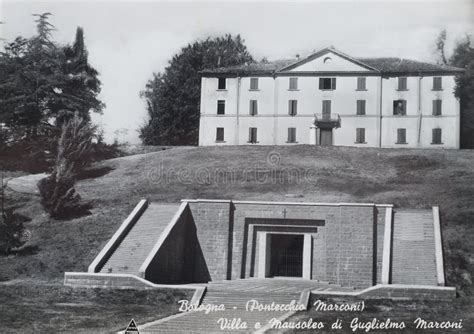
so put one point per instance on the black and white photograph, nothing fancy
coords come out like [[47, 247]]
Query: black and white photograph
[[236, 166]]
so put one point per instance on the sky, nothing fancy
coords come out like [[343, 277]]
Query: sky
[[128, 41]]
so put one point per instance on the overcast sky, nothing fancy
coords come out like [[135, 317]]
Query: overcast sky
[[128, 41]]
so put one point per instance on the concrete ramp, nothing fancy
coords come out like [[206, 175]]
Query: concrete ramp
[[135, 239], [413, 254], [138, 243]]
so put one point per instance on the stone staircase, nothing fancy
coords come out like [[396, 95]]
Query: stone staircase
[[235, 295], [137, 244], [413, 254]]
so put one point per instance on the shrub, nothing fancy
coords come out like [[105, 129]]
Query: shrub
[[58, 195], [13, 234]]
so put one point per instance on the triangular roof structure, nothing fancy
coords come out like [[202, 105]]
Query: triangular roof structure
[[323, 52], [377, 66]]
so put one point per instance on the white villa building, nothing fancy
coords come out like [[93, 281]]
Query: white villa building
[[330, 98]]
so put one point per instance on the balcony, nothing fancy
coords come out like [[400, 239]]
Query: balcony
[[327, 121]]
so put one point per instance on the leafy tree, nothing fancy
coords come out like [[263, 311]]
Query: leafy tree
[[440, 47], [173, 97], [42, 83], [79, 93], [463, 57], [58, 195]]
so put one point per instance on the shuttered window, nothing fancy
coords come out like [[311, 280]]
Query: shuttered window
[[222, 83], [360, 107], [220, 107], [360, 135], [292, 135], [292, 107], [327, 83], [253, 108], [253, 83], [361, 84], [437, 136], [400, 107], [401, 136], [437, 83], [219, 134], [437, 107], [326, 109], [402, 84], [252, 135], [293, 84]]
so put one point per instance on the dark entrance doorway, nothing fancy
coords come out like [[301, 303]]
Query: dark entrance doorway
[[286, 255], [326, 137]]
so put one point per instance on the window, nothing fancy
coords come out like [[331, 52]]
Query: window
[[327, 83], [437, 136], [219, 134], [401, 136], [326, 109], [292, 135], [292, 107], [253, 107], [436, 107], [361, 84], [220, 107], [360, 107], [221, 84], [402, 84], [253, 83], [437, 83], [360, 136], [293, 84], [400, 107], [252, 135]]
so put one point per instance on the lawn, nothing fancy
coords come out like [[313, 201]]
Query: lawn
[[40, 307], [406, 178]]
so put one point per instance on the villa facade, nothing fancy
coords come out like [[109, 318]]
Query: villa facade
[[330, 98]]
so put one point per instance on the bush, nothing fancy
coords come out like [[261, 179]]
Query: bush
[[58, 195], [12, 232], [32, 156]]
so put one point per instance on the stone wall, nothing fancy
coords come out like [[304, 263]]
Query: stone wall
[[380, 229], [213, 221], [345, 245], [180, 258]]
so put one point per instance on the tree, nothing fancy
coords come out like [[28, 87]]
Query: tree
[[42, 84], [173, 97], [58, 195], [80, 91], [440, 47], [462, 57]]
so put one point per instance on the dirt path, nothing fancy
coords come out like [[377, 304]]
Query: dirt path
[[26, 184]]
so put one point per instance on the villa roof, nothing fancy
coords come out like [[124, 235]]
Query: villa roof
[[384, 65], [253, 68], [392, 64]]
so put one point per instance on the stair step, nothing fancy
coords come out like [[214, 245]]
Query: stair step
[[413, 258], [135, 247]]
